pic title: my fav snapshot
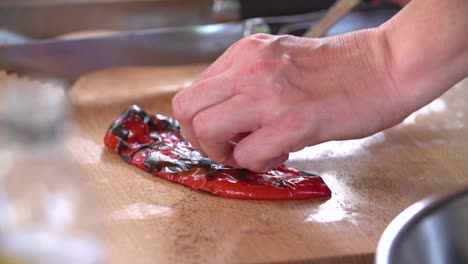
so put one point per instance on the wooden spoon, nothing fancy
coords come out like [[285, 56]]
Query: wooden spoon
[[340, 9]]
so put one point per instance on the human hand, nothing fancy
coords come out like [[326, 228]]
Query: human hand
[[268, 96]]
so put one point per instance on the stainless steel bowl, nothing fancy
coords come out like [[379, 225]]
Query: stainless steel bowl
[[434, 230]]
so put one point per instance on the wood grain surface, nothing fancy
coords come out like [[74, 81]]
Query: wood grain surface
[[372, 179]]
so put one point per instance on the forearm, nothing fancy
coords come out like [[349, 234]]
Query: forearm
[[428, 43]]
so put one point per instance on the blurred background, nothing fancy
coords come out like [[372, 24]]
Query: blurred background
[[69, 67]]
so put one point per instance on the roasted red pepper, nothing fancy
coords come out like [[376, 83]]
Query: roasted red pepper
[[155, 144]]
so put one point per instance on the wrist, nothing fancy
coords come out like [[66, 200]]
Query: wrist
[[426, 57], [378, 57], [363, 69]]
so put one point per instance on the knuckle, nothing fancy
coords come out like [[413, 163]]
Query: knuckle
[[252, 42], [261, 66], [261, 36]]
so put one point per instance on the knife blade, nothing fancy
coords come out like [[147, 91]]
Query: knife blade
[[71, 58], [42, 19]]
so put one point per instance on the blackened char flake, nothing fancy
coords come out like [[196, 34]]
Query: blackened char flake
[[155, 144]]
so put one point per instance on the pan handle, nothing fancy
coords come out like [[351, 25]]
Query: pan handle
[[268, 8], [235, 10]]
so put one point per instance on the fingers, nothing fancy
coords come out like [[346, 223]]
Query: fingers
[[217, 127], [203, 94], [264, 149], [221, 152], [269, 146], [224, 121], [219, 117], [226, 60], [188, 133]]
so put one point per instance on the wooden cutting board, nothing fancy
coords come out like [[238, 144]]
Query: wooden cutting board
[[372, 180]]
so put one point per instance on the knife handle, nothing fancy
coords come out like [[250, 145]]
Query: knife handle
[[268, 8]]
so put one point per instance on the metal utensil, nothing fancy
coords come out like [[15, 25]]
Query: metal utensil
[[42, 19], [335, 13], [70, 58], [431, 231]]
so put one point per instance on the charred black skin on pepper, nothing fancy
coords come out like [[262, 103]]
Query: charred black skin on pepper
[[189, 159], [154, 143]]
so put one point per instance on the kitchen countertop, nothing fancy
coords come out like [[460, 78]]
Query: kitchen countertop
[[373, 179]]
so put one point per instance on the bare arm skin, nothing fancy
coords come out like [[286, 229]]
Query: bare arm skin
[[268, 95]]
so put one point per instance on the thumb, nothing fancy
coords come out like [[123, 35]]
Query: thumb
[[270, 145]]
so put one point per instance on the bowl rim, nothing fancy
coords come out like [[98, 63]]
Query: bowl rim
[[412, 215]]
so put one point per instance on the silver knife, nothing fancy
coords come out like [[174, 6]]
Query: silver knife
[[71, 58], [42, 19]]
